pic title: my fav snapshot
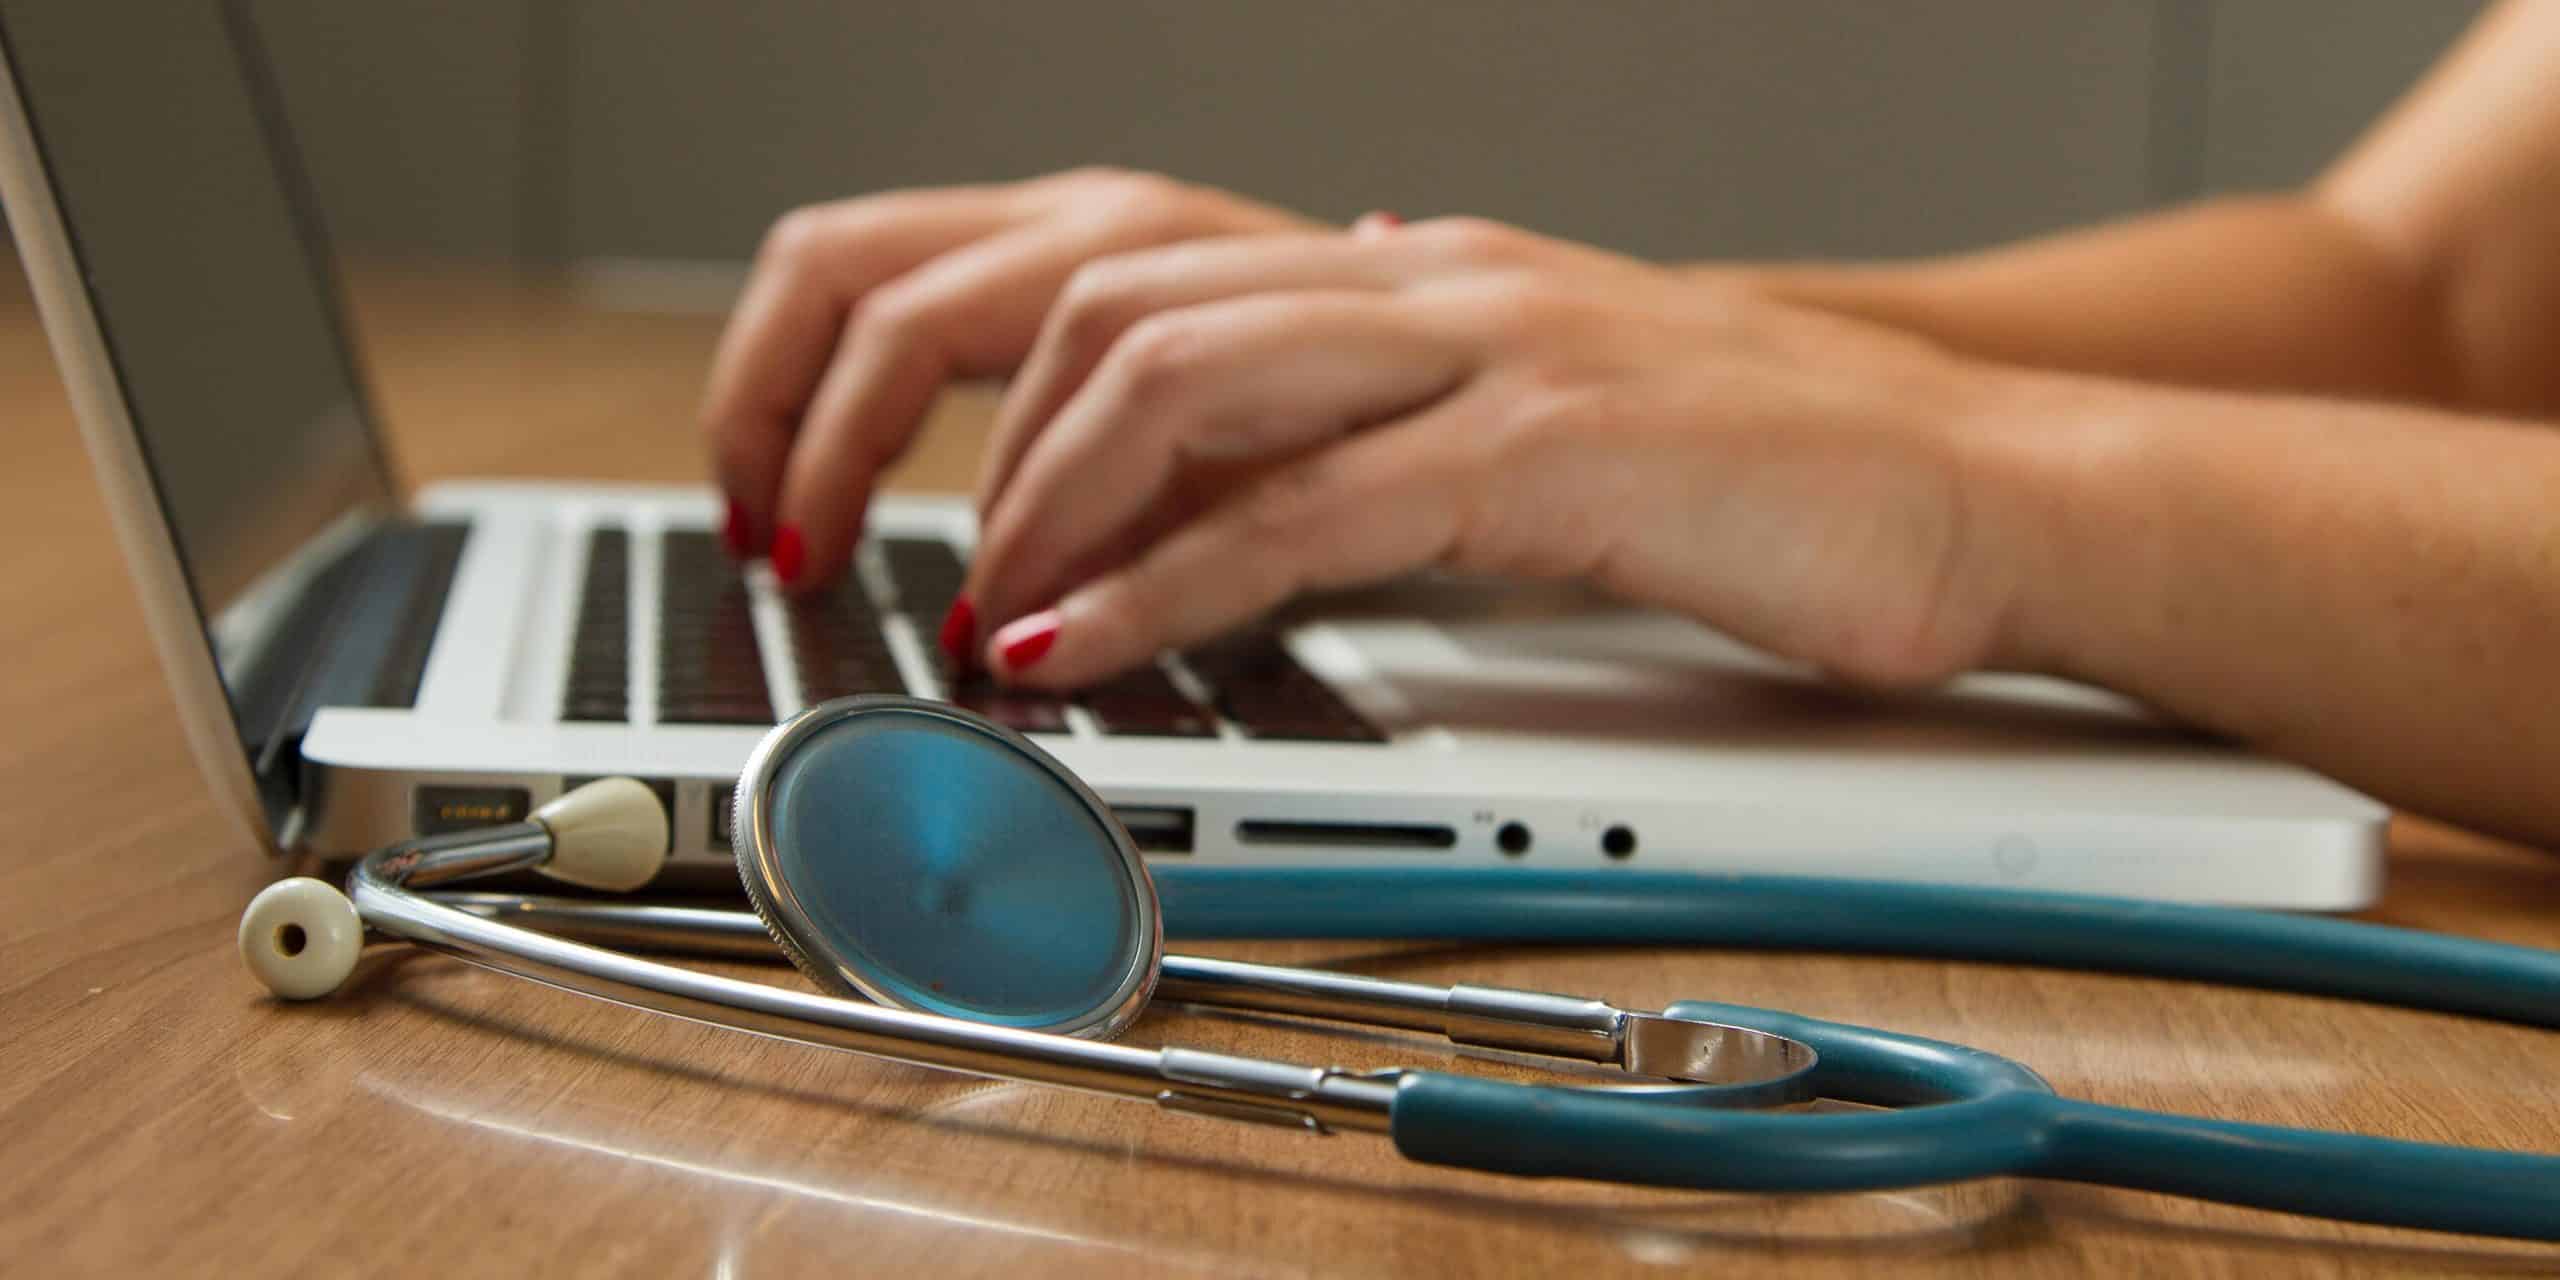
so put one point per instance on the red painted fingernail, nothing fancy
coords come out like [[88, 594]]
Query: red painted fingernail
[[1377, 221], [1026, 640], [735, 533], [960, 632], [789, 555]]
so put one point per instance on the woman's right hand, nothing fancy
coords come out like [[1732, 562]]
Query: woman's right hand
[[858, 312]]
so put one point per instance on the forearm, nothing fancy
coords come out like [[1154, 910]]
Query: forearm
[[2271, 293], [2373, 591]]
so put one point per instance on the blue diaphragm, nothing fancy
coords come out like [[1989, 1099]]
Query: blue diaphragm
[[938, 863]]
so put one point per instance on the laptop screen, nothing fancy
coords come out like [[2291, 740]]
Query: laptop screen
[[162, 140], [154, 122]]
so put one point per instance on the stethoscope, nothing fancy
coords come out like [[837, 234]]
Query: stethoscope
[[964, 902]]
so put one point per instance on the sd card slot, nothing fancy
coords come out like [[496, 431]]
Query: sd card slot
[[1348, 835]]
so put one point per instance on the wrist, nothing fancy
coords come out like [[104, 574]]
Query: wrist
[[2045, 459]]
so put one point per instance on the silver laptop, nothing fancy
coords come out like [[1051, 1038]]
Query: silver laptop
[[353, 667]]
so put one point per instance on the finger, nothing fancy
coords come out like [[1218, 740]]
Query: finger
[[813, 267], [969, 313], [1253, 378], [1106, 297], [1363, 510]]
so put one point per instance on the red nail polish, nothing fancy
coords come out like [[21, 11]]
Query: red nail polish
[[960, 632], [789, 556], [734, 532], [1024, 641], [1376, 222]]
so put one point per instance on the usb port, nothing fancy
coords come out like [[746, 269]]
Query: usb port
[[1156, 828], [437, 810], [724, 809]]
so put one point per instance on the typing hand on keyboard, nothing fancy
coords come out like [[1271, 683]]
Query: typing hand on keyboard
[[1453, 393]]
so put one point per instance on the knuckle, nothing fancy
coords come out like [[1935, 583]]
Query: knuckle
[[1092, 308], [904, 314], [1548, 415], [1137, 186], [799, 237], [1473, 239], [1155, 359], [1516, 308], [1097, 176], [1150, 204]]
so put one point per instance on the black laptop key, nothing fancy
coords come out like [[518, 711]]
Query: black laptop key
[[600, 648], [589, 683], [709, 669], [1265, 691], [837, 648], [926, 574], [1145, 703], [613, 708], [1295, 723], [1022, 710], [746, 709]]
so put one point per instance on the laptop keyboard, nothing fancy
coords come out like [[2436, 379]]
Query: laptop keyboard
[[710, 671]]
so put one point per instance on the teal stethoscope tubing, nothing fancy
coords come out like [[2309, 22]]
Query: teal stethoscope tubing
[[1972, 1114], [2375, 964]]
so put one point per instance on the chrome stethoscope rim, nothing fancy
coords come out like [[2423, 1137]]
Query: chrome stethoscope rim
[[794, 926]]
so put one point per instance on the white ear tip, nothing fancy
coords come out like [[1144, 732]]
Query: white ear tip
[[301, 937], [610, 834]]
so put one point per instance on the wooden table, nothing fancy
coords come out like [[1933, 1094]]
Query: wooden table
[[158, 1113]]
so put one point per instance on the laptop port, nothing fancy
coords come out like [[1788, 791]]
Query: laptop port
[[436, 810], [724, 810], [1156, 828], [1348, 835]]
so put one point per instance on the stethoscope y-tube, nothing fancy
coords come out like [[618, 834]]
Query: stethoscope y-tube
[[927, 930]]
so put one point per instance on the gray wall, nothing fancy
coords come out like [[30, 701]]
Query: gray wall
[[557, 130]]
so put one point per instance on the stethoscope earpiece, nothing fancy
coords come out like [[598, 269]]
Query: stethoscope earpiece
[[301, 938]]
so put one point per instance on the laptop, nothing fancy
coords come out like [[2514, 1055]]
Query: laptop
[[354, 664]]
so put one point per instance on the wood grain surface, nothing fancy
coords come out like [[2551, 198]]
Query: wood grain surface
[[159, 1114]]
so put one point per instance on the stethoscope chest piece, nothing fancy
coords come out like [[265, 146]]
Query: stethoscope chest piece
[[929, 860]]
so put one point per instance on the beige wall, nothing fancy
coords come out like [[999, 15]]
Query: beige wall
[[551, 130]]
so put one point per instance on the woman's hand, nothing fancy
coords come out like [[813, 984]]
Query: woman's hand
[[1205, 429], [858, 312]]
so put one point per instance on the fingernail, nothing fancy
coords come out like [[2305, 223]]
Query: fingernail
[[789, 555], [960, 632], [1026, 640], [1376, 222], [734, 533]]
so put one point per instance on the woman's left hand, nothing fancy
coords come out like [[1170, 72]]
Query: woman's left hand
[[1203, 430]]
